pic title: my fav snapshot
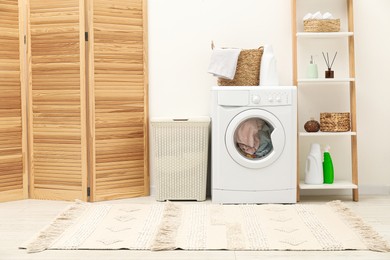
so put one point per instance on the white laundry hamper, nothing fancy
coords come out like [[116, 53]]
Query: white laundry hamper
[[180, 154]]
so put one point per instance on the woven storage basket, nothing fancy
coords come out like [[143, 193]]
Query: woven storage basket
[[180, 153], [326, 25], [248, 69], [335, 122]]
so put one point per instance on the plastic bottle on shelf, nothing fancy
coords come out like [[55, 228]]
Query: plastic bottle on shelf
[[314, 169], [328, 167]]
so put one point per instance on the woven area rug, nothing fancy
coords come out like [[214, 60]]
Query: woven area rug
[[202, 226]]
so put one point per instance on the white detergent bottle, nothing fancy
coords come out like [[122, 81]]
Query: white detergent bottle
[[268, 71], [314, 171]]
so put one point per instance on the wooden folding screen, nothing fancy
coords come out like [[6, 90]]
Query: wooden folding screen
[[118, 99], [79, 134], [57, 100], [13, 177]]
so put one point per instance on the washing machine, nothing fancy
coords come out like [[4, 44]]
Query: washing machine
[[254, 144]]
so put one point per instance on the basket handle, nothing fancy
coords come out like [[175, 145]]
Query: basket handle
[[213, 46]]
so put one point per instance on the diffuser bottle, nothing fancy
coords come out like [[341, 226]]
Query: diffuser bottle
[[312, 70], [328, 167]]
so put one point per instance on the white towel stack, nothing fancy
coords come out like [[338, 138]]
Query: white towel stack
[[318, 15]]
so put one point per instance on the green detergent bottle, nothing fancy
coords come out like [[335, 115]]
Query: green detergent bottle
[[328, 167]]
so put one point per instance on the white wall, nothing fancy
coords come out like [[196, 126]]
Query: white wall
[[180, 34], [372, 41]]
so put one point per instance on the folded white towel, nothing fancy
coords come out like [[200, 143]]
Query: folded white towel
[[327, 15], [307, 16], [223, 62], [317, 15]]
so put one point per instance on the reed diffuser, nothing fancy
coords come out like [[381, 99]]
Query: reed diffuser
[[329, 73]]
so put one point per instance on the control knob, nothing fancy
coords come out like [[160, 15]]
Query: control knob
[[256, 99]]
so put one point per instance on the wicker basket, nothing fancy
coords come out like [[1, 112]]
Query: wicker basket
[[248, 69], [335, 122], [325, 25], [180, 151]]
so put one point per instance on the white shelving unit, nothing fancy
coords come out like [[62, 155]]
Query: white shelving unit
[[323, 34], [337, 185], [336, 80], [345, 35], [349, 133]]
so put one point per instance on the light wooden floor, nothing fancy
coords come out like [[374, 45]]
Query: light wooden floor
[[20, 220]]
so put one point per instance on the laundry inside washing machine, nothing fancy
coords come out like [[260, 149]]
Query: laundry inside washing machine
[[253, 138]]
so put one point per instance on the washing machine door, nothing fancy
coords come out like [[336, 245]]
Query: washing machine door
[[255, 138]]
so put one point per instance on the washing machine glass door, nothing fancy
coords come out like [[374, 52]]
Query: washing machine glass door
[[255, 138]]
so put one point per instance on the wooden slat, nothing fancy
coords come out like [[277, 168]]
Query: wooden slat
[[58, 144], [13, 175], [117, 96]]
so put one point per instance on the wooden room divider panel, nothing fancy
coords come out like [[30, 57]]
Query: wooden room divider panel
[[81, 134], [13, 171], [118, 99], [57, 100]]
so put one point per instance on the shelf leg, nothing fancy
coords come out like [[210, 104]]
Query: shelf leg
[[355, 195]]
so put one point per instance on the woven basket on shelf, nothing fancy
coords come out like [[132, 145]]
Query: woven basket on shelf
[[248, 69], [335, 122], [318, 25]]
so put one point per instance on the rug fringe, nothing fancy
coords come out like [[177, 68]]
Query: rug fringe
[[371, 238], [166, 235], [47, 236]]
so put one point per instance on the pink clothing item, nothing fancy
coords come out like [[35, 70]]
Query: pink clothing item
[[247, 135]]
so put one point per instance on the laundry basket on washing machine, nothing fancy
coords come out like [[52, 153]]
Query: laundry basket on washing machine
[[180, 152]]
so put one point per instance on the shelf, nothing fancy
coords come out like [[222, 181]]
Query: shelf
[[305, 44], [323, 34], [327, 134], [324, 80], [336, 185]]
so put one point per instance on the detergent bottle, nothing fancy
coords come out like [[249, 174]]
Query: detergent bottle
[[328, 167], [268, 71], [314, 171]]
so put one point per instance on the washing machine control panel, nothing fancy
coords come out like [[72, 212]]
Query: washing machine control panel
[[270, 98]]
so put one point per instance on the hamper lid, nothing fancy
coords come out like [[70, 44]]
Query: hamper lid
[[181, 119]]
